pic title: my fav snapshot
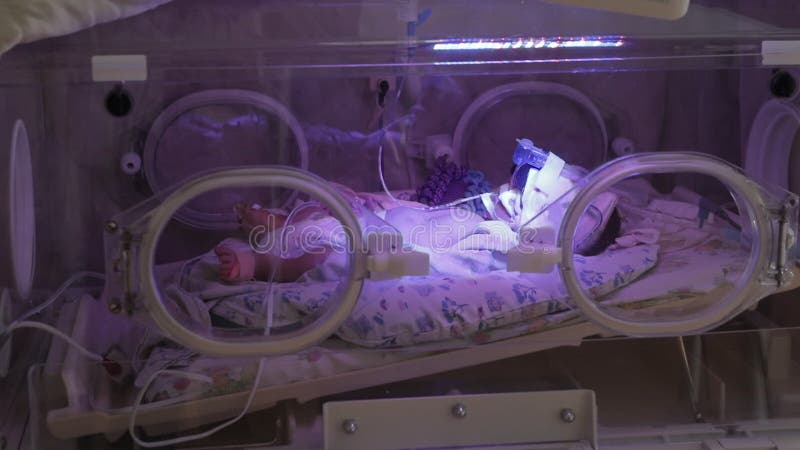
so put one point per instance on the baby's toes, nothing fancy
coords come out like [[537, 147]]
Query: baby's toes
[[228, 263]]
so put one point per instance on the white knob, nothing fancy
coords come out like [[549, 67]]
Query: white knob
[[622, 146], [131, 163]]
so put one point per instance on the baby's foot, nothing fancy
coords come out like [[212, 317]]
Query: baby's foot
[[235, 264]]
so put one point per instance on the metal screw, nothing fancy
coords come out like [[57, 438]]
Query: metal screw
[[350, 426], [459, 410], [115, 307], [568, 415], [111, 226]]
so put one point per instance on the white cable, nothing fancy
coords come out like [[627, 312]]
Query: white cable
[[455, 202], [192, 437], [274, 271], [420, 208], [412, 178], [386, 190], [75, 277], [58, 333], [382, 129], [21, 321], [380, 173], [256, 380]]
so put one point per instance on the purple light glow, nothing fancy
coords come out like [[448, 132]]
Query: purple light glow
[[509, 44]]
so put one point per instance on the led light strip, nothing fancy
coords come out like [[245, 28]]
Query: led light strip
[[528, 43]]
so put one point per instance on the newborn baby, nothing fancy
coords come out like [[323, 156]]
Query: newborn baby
[[459, 241], [312, 235]]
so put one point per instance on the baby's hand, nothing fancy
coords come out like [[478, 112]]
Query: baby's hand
[[250, 217]]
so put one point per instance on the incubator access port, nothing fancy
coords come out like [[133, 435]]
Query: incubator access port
[[119, 102]]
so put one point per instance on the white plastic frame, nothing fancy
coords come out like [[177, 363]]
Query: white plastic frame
[[269, 176], [216, 97], [496, 95], [21, 215], [769, 146], [748, 289], [662, 9]]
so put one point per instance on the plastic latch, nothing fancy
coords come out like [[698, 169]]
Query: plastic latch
[[119, 68], [5, 341], [548, 176], [539, 186], [533, 258], [780, 53], [536, 252], [388, 259]]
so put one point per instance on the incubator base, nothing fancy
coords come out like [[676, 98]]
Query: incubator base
[[81, 407]]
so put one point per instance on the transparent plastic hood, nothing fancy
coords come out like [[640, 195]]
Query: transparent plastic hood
[[303, 202]]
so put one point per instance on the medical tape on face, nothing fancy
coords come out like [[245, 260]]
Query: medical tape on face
[[539, 187]]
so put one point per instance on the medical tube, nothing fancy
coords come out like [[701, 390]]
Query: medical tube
[[268, 301], [22, 321]]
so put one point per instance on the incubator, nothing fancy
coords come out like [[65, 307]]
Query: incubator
[[400, 224]]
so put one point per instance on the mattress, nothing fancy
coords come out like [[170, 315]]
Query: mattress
[[409, 310], [688, 273]]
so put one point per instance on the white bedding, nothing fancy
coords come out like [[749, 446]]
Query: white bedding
[[416, 310], [406, 311], [30, 20]]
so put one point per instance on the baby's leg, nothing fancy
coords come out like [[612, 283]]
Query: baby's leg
[[271, 219], [251, 217], [241, 263]]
